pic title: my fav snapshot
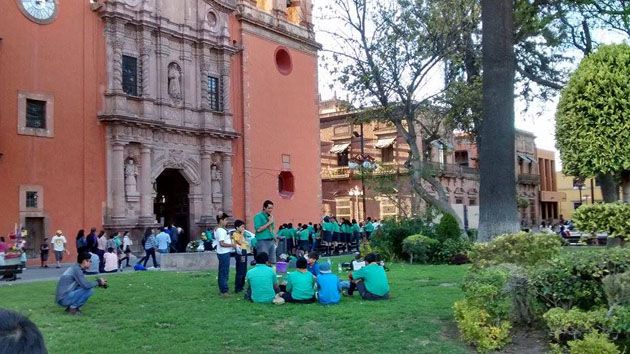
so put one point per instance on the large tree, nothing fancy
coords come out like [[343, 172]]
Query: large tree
[[497, 186], [387, 51], [592, 120]]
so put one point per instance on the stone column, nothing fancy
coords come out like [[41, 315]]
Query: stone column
[[146, 188], [206, 190], [118, 181], [227, 183]]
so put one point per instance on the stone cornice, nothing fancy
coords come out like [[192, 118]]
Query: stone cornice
[[262, 24], [161, 126]]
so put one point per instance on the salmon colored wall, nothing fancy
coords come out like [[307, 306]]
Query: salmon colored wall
[[238, 163], [281, 117], [66, 59]]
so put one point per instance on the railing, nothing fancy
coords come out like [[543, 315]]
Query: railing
[[335, 173], [526, 178], [446, 169]]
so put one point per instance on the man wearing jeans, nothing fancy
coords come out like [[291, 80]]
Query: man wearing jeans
[[264, 226], [73, 290]]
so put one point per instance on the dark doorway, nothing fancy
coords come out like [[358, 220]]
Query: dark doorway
[[171, 203], [35, 228]]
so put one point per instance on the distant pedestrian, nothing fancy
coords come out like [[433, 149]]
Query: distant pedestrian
[[81, 242], [59, 246], [149, 244], [111, 261], [44, 249], [163, 241], [92, 241], [240, 255]]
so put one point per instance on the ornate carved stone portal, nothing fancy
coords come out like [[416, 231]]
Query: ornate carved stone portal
[[168, 49]]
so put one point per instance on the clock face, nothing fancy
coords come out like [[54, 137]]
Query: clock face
[[40, 11]]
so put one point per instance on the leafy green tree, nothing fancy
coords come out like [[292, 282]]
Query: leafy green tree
[[592, 121]]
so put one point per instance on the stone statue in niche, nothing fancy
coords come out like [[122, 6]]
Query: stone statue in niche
[[216, 176], [131, 175], [174, 81]]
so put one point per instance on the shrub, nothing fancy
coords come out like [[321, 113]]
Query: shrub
[[573, 324], [593, 343], [452, 250], [388, 239], [575, 279], [448, 228], [420, 248], [617, 288], [613, 218], [472, 234], [486, 289], [521, 248], [478, 328]]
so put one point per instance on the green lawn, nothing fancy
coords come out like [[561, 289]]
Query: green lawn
[[168, 312]]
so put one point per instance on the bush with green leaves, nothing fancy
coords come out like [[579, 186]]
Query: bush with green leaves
[[388, 239], [593, 343], [613, 218], [484, 317], [478, 328], [617, 288], [575, 278], [525, 249], [565, 325], [453, 251], [420, 248], [447, 229]]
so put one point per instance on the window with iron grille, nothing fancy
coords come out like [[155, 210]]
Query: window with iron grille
[[214, 93], [130, 75], [35, 114], [31, 199]]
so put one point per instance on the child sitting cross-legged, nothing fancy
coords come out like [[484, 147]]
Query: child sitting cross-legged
[[300, 285], [328, 285]]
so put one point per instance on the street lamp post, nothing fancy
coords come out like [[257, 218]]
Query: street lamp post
[[356, 192], [362, 163]]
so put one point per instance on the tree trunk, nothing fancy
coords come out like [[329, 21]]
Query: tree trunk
[[610, 190], [625, 185], [497, 194]]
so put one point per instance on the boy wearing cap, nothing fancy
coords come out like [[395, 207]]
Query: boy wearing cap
[[328, 285], [59, 246], [371, 280], [300, 285]]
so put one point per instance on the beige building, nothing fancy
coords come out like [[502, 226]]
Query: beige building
[[577, 192], [550, 197], [453, 158]]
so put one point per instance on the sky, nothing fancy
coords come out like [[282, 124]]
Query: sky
[[538, 119]]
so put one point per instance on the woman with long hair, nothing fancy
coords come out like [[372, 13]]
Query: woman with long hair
[[81, 242]]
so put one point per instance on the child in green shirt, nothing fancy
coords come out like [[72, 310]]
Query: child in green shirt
[[300, 285]]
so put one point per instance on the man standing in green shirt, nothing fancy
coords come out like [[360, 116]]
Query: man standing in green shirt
[[264, 226], [300, 285], [262, 281], [371, 280], [368, 228]]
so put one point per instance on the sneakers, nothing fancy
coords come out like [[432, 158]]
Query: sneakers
[[75, 312], [278, 300]]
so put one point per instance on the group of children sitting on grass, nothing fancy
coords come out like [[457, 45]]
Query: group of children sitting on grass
[[314, 282]]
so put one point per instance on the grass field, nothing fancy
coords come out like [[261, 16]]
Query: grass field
[[168, 312]]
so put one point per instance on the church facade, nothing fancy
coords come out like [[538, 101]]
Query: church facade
[[139, 113]]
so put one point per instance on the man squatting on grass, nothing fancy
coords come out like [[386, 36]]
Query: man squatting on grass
[[18, 335], [73, 290]]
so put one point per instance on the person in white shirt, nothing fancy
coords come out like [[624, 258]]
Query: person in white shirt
[[224, 248], [59, 246], [111, 261]]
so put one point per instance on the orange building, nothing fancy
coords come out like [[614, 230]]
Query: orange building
[[125, 114]]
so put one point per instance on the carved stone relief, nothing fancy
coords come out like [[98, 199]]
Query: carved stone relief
[[174, 81]]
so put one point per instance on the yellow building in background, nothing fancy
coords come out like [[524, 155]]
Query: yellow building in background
[[577, 193]]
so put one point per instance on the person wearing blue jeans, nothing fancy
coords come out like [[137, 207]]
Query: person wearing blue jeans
[[224, 248], [73, 290]]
